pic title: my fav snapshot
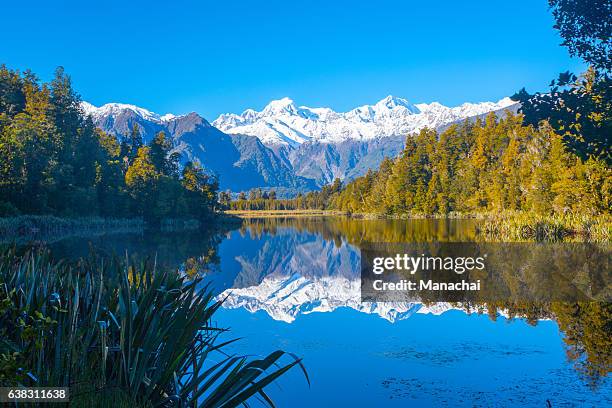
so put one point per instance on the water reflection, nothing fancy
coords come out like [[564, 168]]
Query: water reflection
[[291, 268]]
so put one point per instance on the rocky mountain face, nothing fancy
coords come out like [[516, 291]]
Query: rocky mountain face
[[291, 148], [241, 162]]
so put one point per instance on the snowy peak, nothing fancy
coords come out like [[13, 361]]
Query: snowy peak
[[114, 110], [393, 102], [282, 122], [284, 106]]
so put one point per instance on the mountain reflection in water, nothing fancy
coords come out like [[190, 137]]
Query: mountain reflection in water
[[293, 267], [289, 267]]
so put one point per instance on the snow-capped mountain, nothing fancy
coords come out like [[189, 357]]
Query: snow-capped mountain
[[241, 162], [282, 122], [267, 273], [113, 110]]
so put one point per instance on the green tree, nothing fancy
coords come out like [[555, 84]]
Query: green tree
[[162, 157], [201, 191]]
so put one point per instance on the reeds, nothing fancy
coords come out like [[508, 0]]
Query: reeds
[[102, 326], [521, 226]]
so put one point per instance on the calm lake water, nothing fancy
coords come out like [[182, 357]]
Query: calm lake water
[[293, 284]]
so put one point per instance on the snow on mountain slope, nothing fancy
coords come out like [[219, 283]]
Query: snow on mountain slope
[[281, 122], [113, 110]]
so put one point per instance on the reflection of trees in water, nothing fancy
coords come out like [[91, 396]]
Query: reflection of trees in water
[[194, 252], [356, 231], [586, 325], [586, 329]]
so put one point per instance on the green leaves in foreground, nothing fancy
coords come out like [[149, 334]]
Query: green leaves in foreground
[[99, 325]]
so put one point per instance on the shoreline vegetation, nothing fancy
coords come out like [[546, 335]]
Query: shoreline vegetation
[[284, 213], [134, 334], [55, 162]]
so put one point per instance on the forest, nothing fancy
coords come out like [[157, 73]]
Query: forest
[[54, 161]]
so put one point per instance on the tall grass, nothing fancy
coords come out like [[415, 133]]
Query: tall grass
[[142, 335], [519, 226]]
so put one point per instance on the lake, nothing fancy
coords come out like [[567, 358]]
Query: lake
[[294, 284]]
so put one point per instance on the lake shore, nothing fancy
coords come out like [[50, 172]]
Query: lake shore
[[335, 213]]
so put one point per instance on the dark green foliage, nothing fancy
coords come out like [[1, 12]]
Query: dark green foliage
[[586, 29], [579, 109], [54, 161], [101, 326]]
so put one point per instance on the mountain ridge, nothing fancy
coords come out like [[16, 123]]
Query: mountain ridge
[[282, 122], [288, 147]]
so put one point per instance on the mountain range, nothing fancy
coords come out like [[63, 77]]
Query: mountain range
[[287, 147], [281, 122]]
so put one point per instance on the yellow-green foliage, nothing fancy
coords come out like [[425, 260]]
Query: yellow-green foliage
[[499, 165], [515, 226]]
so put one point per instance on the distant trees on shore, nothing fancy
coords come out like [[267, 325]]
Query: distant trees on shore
[[259, 199]]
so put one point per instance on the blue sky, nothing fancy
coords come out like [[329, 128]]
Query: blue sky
[[226, 56]]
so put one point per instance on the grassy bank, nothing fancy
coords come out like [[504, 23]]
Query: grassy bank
[[133, 334], [416, 216]]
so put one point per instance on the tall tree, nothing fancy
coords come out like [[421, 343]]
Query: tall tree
[[162, 157]]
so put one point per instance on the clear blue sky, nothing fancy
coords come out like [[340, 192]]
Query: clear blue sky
[[225, 56]]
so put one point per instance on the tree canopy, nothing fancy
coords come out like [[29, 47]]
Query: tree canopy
[[53, 160]]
